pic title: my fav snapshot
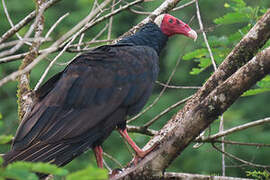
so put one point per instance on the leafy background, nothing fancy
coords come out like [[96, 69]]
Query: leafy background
[[226, 21]]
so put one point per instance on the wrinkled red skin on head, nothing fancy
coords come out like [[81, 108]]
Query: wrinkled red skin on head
[[171, 26]]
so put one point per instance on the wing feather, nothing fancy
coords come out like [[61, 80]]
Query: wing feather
[[105, 82]]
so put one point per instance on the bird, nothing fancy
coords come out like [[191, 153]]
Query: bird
[[79, 107]]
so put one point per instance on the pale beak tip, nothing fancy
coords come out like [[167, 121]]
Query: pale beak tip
[[192, 34]]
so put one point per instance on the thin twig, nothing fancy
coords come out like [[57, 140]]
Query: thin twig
[[110, 22], [54, 47], [233, 143], [25, 21], [85, 49], [107, 166], [33, 26], [51, 64], [239, 159], [90, 42], [178, 87], [182, 176], [113, 159], [184, 5], [20, 56], [141, 130], [138, 12], [221, 128], [12, 43], [78, 33], [11, 23], [204, 35], [55, 24], [100, 33], [20, 43], [149, 123], [210, 53], [237, 128], [80, 41]]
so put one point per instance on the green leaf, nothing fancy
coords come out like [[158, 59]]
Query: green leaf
[[265, 82], [253, 92], [237, 4], [47, 168], [89, 173], [5, 139], [1, 160], [226, 5], [232, 18], [39, 167], [19, 174], [263, 11], [196, 71], [198, 53], [205, 62]]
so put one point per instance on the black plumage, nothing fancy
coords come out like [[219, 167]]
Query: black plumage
[[78, 108]]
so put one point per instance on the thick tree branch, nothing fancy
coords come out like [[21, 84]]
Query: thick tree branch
[[191, 120]]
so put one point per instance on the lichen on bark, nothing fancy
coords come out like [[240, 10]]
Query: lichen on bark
[[24, 93]]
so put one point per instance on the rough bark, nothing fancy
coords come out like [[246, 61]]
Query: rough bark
[[25, 96]]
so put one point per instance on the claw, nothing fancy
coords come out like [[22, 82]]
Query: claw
[[139, 152]]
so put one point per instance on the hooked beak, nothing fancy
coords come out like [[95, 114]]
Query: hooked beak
[[192, 34]]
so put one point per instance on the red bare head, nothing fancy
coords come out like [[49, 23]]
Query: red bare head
[[170, 25]]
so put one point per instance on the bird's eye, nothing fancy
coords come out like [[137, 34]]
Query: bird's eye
[[170, 20]]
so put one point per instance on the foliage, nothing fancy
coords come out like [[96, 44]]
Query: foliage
[[89, 173], [239, 13], [27, 170], [261, 175], [5, 139]]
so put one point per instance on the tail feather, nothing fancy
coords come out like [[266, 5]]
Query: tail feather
[[58, 154]]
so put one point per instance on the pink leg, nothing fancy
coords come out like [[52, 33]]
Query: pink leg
[[98, 153], [138, 150]]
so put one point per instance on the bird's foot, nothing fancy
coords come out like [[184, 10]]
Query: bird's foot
[[98, 153], [114, 172], [140, 154]]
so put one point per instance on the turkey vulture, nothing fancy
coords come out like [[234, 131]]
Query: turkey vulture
[[78, 108]]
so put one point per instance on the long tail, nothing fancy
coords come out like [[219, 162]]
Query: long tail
[[58, 153]]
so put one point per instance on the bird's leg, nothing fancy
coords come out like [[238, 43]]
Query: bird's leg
[[139, 152], [98, 153]]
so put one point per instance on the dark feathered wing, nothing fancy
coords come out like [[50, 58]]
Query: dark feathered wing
[[79, 107]]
